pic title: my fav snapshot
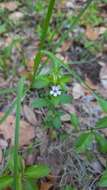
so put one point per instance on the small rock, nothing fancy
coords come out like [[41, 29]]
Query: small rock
[[16, 16]]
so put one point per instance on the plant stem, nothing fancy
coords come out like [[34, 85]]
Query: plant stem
[[16, 141], [38, 57]]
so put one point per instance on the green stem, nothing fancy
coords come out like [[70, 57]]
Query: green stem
[[16, 141], [38, 57]]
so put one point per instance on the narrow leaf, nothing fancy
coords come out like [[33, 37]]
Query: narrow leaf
[[37, 171], [84, 141], [103, 104], [102, 143], [39, 103], [16, 141], [103, 180], [74, 120], [5, 181], [102, 123]]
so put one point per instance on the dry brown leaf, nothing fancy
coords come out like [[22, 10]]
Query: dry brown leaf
[[45, 185], [69, 108], [77, 91], [27, 133], [102, 91], [90, 84], [30, 159], [3, 144], [29, 115], [66, 45], [11, 6], [91, 33]]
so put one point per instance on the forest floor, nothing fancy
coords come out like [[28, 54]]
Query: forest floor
[[85, 48]]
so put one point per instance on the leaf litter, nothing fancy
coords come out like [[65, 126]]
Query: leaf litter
[[72, 168]]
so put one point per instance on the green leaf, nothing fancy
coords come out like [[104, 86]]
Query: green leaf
[[102, 143], [5, 181], [62, 99], [41, 82], [2, 28], [19, 183], [103, 104], [65, 99], [57, 121], [102, 123], [30, 185], [37, 171], [39, 103], [103, 180], [64, 79], [68, 187], [84, 141], [74, 120], [7, 91]]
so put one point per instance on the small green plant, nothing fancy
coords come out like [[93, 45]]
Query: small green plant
[[16, 175], [51, 81], [53, 91], [5, 23], [91, 16], [27, 177], [5, 56]]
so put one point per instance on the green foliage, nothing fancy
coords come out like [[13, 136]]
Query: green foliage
[[39, 103], [103, 180], [102, 143], [103, 104], [16, 141], [5, 55], [37, 171], [5, 181], [74, 120], [84, 141], [41, 82], [102, 123], [26, 177], [91, 16]]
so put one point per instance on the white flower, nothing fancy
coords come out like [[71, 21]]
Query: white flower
[[55, 91]]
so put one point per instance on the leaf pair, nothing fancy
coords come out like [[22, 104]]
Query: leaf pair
[[34, 172], [47, 102], [86, 139]]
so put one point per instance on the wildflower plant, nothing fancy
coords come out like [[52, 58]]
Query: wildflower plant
[[52, 92]]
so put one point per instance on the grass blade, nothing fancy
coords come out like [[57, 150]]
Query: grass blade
[[7, 91], [8, 111], [16, 141], [38, 57]]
